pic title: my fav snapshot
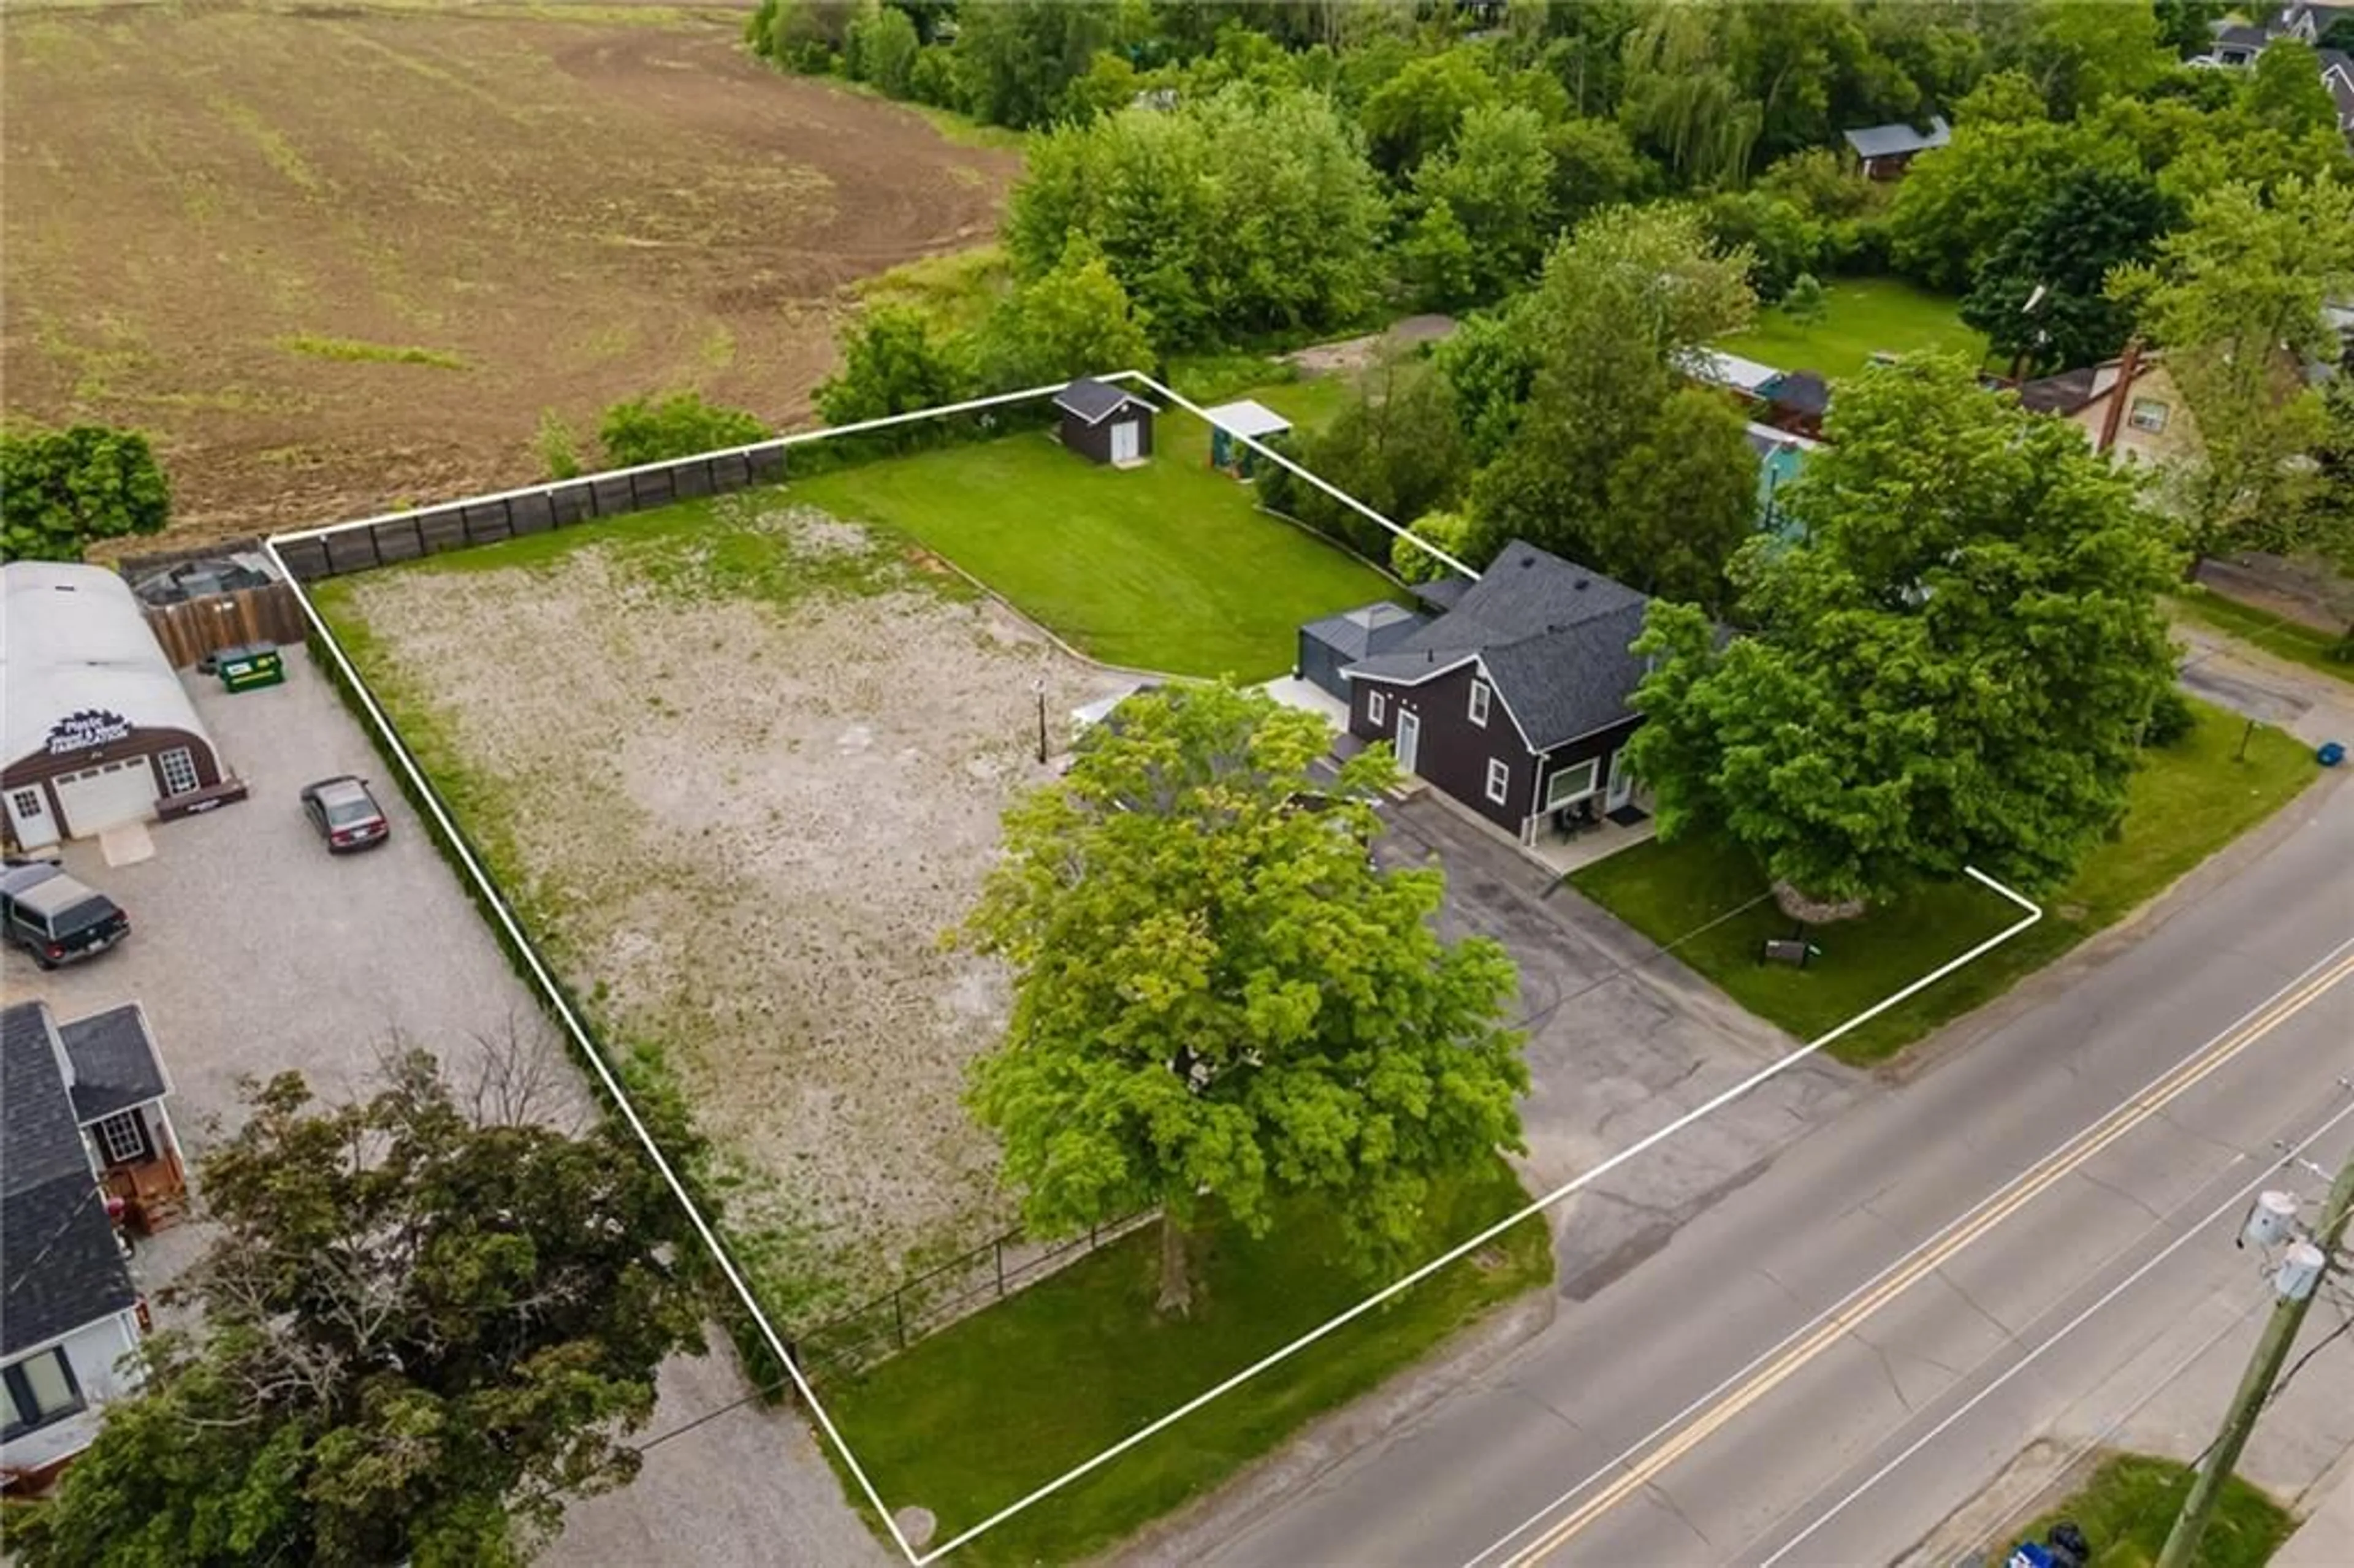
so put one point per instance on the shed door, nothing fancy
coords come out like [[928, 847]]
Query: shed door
[[28, 817], [1123, 441], [106, 796]]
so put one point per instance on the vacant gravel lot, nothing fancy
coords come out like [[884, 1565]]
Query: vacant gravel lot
[[744, 774]]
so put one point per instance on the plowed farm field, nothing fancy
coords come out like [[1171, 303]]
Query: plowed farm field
[[336, 261]]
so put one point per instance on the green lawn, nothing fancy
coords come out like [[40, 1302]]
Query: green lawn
[[2288, 640], [2130, 1502], [982, 1412], [1861, 316], [1167, 566], [2190, 801]]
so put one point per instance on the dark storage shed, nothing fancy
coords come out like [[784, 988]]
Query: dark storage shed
[[1328, 646], [1105, 423]]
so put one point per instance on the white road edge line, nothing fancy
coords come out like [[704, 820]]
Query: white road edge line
[[2235, 1201], [1896, 1264], [710, 1238]]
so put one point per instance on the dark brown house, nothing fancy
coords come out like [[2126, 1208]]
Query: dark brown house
[[1106, 423], [1515, 700]]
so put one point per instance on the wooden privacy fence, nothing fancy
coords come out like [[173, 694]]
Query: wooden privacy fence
[[195, 627]]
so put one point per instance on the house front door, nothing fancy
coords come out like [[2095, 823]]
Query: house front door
[[1123, 441], [1409, 740], [1622, 782]]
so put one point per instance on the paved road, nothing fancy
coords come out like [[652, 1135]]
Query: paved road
[[1619, 1404]]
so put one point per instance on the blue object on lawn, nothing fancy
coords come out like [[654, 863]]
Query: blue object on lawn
[[2331, 754], [2028, 1554]]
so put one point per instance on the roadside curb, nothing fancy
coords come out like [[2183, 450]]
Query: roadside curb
[[1187, 1534], [2039, 988]]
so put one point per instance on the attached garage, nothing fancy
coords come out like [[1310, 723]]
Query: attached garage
[[1330, 645], [99, 730]]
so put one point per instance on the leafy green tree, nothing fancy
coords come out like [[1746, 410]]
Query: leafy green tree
[[1497, 180], [1489, 363], [1810, 67], [1239, 214], [426, 1322], [2086, 51], [62, 489], [1682, 499], [1941, 48], [1396, 447], [806, 35], [1075, 321], [2285, 90], [2186, 27], [1416, 114], [1595, 167], [559, 450], [1450, 531], [2236, 299], [1018, 58], [655, 429], [1219, 1003], [1956, 204], [1781, 239], [1436, 261], [881, 49], [1624, 301], [2097, 221], [1959, 679], [1682, 100], [1804, 303], [893, 362]]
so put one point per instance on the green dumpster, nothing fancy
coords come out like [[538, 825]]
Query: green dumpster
[[253, 664]]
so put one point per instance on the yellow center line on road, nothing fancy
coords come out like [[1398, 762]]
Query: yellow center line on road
[[2063, 1162]]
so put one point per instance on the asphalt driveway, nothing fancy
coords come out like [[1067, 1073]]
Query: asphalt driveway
[[255, 953], [1622, 1040]]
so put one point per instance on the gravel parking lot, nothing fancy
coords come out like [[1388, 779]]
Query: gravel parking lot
[[255, 952]]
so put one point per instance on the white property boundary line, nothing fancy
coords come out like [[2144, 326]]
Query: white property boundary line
[[587, 1047]]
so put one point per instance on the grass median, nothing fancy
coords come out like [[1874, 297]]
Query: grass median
[[2187, 801], [984, 1412], [2128, 1504]]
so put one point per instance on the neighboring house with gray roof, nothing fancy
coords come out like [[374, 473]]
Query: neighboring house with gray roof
[[1515, 701], [79, 1103], [1883, 152]]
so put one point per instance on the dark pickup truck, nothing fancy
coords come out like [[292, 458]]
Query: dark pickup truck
[[56, 918]]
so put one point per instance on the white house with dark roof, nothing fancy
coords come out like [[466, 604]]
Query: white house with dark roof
[[1516, 702], [72, 1097]]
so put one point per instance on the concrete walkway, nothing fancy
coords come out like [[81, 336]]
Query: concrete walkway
[[2326, 1539]]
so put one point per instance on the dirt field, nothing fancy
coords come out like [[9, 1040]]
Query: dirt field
[[338, 258], [750, 807]]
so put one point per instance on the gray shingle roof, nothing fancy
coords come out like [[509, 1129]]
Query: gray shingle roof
[[1896, 140], [1096, 401], [2062, 394], [1552, 634], [114, 1062], [1368, 629], [58, 1253]]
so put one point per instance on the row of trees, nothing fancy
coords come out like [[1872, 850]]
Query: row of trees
[[62, 491]]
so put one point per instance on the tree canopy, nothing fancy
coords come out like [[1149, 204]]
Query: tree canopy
[[1218, 999], [60, 490], [424, 1324], [893, 362], [2097, 221], [1954, 669], [1074, 321], [683, 424]]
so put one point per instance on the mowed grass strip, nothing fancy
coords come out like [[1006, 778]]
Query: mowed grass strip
[[2315, 649], [2128, 1505], [989, 1409], [1862, 317], [1168, 566], [2187, 801], [354, 351]]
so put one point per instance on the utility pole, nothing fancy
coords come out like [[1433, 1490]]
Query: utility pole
[[2296, 1295]]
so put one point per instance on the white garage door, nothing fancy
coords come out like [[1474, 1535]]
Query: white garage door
[[97, 798]]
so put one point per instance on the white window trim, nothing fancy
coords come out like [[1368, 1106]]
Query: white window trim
[[1556, 798], [28, 802], [1500, 781], [2149, 427], [1376, 707], [114, 1131], [179, 762], [1479, 703]]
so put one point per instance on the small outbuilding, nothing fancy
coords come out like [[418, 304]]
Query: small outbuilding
[[99, 730], [1796, 403], [1105, 423], [1329, 646], [1243, 418], [1884, 151]]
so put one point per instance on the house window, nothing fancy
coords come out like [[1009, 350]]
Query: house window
[[1500, 781], [1572, 784], [2148, 414], [27, 804], [1376, 707], [41, 1389], [179, 766], [121, 1140], [1479, 703]]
